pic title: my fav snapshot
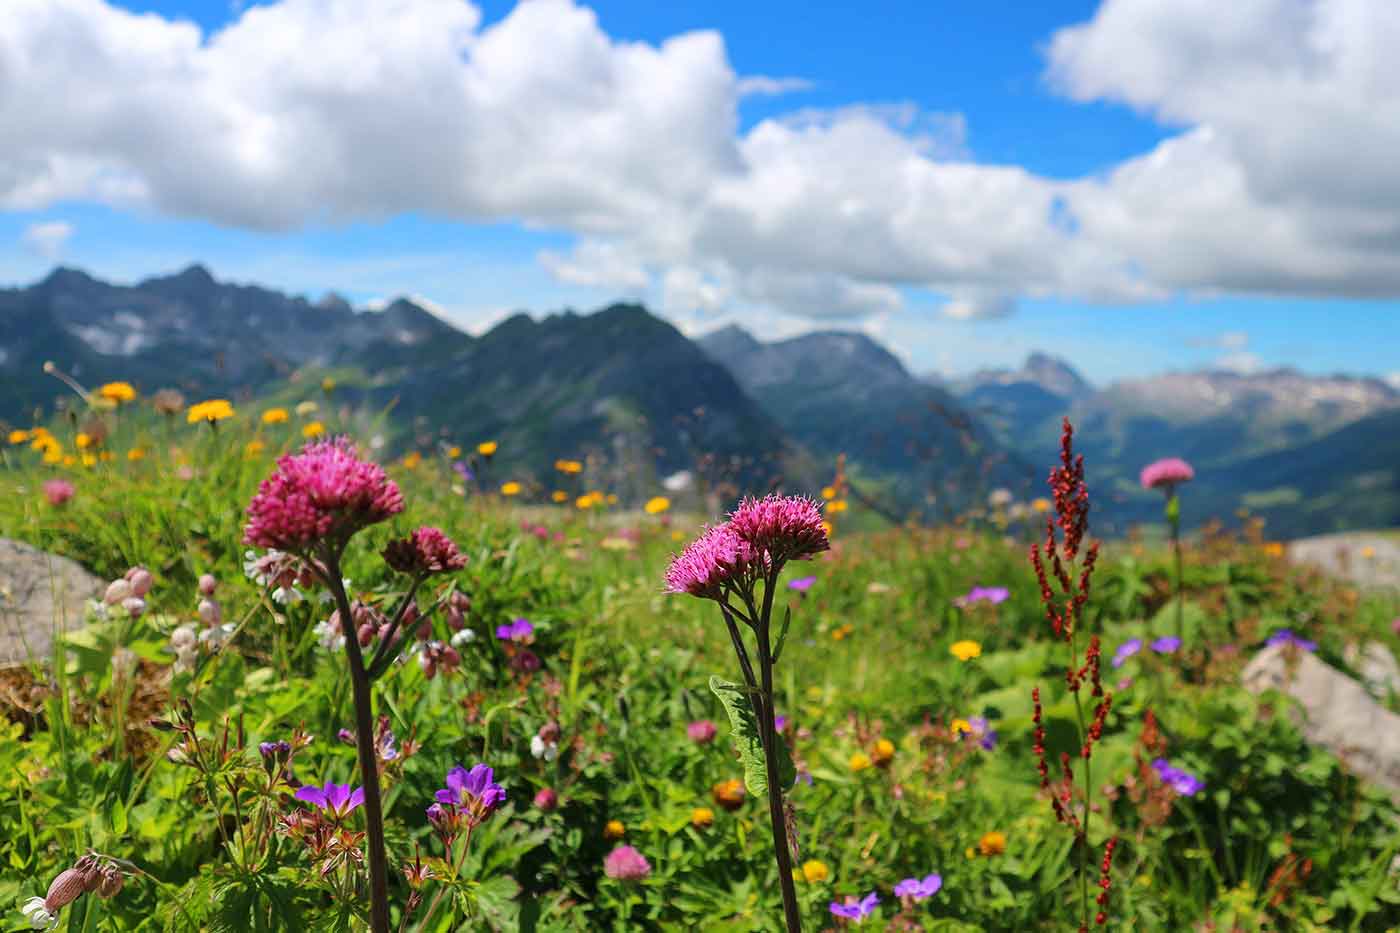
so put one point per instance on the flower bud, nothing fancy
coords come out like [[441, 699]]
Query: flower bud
[[550, 732], [64, 890], [207, 584], [546, 800], [455, 620], [117, 591], [209, 612], [111, 883], [425, 631], [367, 633], [183, 638], [134, 606], [140, 579]]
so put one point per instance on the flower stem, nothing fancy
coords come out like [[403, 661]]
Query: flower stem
[[364, 742], [1175, 517], [767, 730]]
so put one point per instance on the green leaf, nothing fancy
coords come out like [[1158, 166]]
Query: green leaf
[[782, 634], [747, 741]]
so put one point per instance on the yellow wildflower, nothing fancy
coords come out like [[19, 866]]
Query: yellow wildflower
[[328, 385], [1273, 548], [828, 492], [702, 817], [1040, 505], [57, 457], [253, 448], [883, 753], [656, 505], [19, 437], [678, 535], [117, 392], [275, 416], [960, 728], [729, 794], [612, 498], [454, 452], [511, 488], [828, 527], [89, 460], [306, 408], [814, 872], [841, 631], [313, 429], [83, 441], [1368, 552], [966, 650], [105, 456], [836, 506], [859, 762], [135, 453], [614, 830], [487, 448], [559, 495], [412, 459], [992, 843], [568, 466], [216, 409]]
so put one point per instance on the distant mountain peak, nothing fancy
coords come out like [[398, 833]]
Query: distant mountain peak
[[1055, 375]]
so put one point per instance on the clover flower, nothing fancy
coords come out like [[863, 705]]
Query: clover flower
[[324, 493], [1286, 637], [474, 793], [1167, 473], [1183, 782], [701, 732], [58, 491], [427, 550], [919, 888], [337, 800], [626, 864], [856, 910]]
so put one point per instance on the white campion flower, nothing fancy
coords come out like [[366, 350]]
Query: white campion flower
[[465, 637], [36, 912], [542, 749]]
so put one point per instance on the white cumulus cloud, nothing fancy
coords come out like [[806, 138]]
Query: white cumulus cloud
[[46, 240]]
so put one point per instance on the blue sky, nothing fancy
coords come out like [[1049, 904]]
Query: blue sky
[[967, 182]]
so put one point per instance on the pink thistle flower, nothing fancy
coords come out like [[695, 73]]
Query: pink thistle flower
[[701, 732], [1166, 473], [324, 493], [58, 491], [711, 560], [781, 528], [425, 551], [626, 864]]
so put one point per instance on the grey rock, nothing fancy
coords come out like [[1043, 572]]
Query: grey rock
[[1377, 666], [40, 594], [1364, 558], [1336, 712]]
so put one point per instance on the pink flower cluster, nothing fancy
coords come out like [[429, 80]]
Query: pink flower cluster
[[1169, 473], [425, 551], [326, 492], [760, 536], [626, 864], [58, 491]]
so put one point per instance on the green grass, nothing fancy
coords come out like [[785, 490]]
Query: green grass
[[625, 668]]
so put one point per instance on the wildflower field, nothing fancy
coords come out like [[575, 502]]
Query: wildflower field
[[568, 727]]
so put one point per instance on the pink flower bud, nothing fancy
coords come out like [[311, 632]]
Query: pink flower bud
[[209, 612], [117, 590], [140, 579], [64, 890], [207, 584], [455, 620], [425, 631], [134, 606], [366, 633], [547, 800]]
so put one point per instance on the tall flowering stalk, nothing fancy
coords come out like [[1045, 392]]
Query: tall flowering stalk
[[727, 564], [1166, 475], [311, 506], [1064, 589]]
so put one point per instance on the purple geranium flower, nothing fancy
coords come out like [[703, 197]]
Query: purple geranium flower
[[518, 631], [1286, 637], [919, 889], [336, 799], [1126, 650], [801, 584], [857, 911], [1183, 782], [984, 733], [475, 793], [996, 595], [1166, 644], [779, 723]]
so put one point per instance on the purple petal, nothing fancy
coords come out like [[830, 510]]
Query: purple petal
[[336, 795], [312, 795], [357, 798]]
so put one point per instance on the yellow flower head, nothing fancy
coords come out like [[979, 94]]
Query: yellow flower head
[[729, 794], [215, 409], [1040, 506], [1368, 552], [813, 872], [614, 830], [511, 488], [454, 452], [612, 498], [960, 728], [117, 392], [828, 492], [841, 631], [306, 408], [559, 495], [966, 650], [828, 527], [860, 761], [19, 437], [135, 453], [836, 506], [412, 459], [1273, 549], [253, 448], [83, 441], [487, 448], [568, 466], [992, 843], [656, 505], [883, 753], [313, 429], [275, 416], [328, 385], [702, 817]]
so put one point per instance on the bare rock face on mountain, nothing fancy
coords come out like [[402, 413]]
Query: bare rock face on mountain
[[1336, 712], [41, 595]]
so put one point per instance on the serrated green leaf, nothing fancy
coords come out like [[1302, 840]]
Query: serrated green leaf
[[747, 742]]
